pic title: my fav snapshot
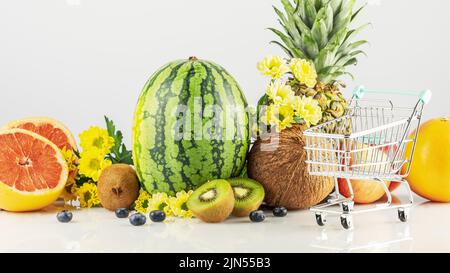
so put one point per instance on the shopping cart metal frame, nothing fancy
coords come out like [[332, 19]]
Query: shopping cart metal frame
[[369, 143]]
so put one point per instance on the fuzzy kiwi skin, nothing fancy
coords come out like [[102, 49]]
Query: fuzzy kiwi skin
[[218, 212], [245, 212], [118, 187], [253, 203]]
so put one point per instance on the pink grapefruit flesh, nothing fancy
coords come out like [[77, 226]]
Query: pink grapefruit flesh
[[49, 128], [33, 171]]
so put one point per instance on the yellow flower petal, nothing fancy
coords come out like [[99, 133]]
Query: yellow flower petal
[[92, 163], [96, 138], [279, 92], [309, 110], [273, 66], [178, 205], [88, 195], [160, 201], [279, 116], [143, 201], [70, 158], [304, 71]]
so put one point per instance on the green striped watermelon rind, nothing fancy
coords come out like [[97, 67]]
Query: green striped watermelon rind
[[164, 162]]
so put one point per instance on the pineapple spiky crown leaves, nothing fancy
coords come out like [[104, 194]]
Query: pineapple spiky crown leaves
[[319, 30]]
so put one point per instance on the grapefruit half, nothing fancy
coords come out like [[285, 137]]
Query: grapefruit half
[[33, 171], [49, 128]]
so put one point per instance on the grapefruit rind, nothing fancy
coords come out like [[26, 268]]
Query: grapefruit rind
[[14, 200]]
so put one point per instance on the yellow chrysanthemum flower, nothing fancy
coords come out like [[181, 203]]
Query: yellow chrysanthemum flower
[[68, 194], [267, 114], [273, 66], [279, 92], [308, 109], [279, 116], [160, 201], [304, 71], [70, 158], [143, 201], [96, 138], [178, 204], [286, 115], [88, 195], [92, 163]]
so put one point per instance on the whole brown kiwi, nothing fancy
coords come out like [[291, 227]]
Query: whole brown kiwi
[[118, 187]]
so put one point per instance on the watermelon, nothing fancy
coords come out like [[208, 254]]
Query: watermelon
[[190, 126]]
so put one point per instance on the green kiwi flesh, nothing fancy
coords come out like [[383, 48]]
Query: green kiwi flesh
[[248, 195], [212, 202]]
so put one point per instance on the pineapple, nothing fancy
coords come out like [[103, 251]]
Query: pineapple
[[320, 31]]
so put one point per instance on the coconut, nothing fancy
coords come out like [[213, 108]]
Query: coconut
[[279, 165]]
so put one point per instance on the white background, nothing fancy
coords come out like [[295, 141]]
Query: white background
[[76, 60]]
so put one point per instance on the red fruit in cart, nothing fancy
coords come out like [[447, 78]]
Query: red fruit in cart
[[430, 170], [33, 172], [394, 185], [365, 191]]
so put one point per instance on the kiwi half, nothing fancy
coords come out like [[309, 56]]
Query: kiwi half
[[248, 195], [212, 202]]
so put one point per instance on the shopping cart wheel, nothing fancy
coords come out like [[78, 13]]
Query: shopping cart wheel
[[403, 214], [321, 219], [347, 221], [347, 206]]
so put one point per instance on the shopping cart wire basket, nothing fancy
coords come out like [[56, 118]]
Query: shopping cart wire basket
[[369, 143]]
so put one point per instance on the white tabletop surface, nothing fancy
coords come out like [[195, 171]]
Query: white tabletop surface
[[98, 230]]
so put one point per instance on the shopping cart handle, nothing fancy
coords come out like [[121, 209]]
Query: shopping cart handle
[[424, 96], [359, 91]]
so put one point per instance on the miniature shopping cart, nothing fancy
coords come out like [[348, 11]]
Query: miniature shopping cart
[[369, 143]]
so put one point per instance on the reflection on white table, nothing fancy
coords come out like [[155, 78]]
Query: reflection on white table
[[98, 230]]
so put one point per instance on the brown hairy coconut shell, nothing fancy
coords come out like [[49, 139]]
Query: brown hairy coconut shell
[[279, 165]]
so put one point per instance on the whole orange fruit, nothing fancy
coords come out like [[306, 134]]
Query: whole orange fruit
[[430, 169]]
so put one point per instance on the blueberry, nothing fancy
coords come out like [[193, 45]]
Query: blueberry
[[122, 213], [257, 216], [279, 212], [64, 216], [157, 216], [138, 219], [265, 207]]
